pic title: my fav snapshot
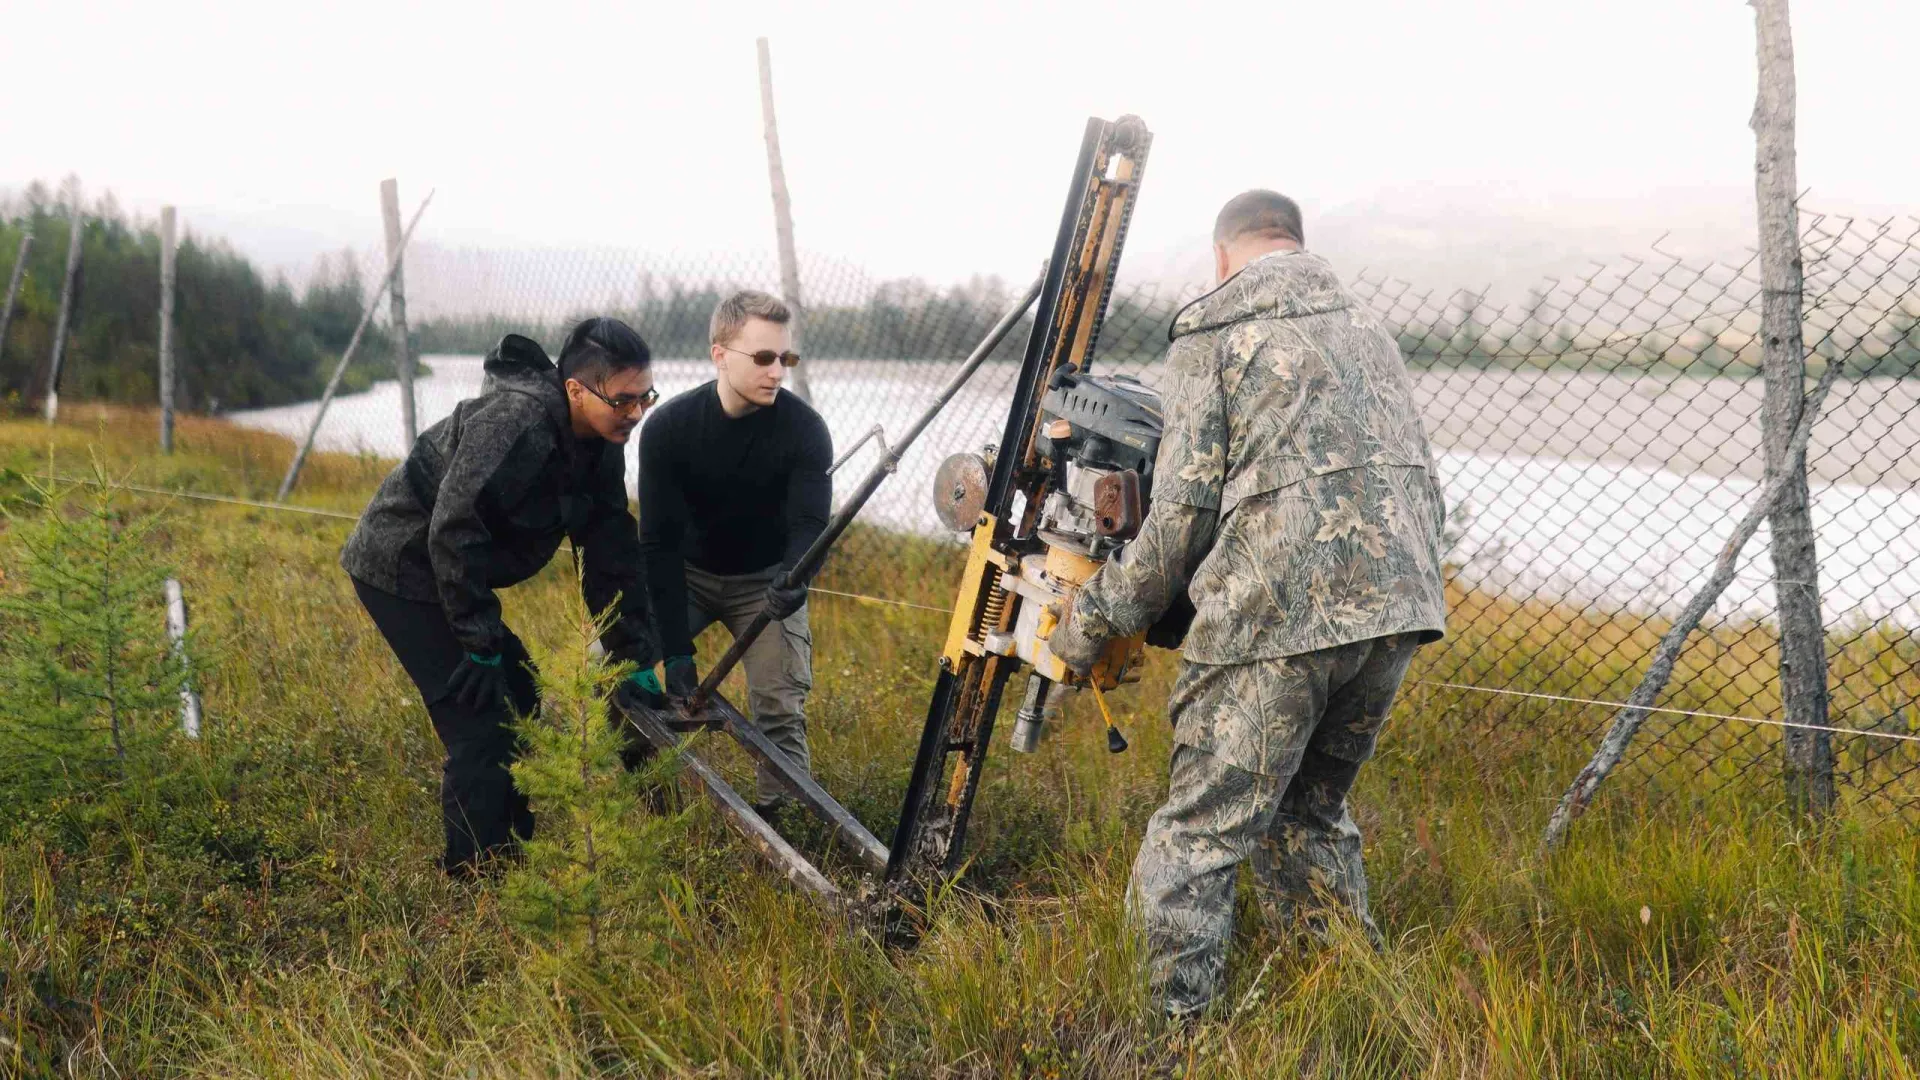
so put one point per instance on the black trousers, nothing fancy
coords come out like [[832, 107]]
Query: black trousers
[[484, 815]]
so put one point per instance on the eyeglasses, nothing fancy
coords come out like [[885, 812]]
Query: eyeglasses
[[767, 356], [626, 402]]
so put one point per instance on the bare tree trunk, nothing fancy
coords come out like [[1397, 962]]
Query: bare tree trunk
[[403, 361], [167, 239], [13, 287], [782, 216], [65, 318], [1796, 567], [1627, 722], [585, 720]]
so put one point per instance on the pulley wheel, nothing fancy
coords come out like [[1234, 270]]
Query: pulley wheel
[[960, 491]]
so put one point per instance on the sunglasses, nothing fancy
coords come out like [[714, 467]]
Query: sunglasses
[[767, 356], [626, 402]]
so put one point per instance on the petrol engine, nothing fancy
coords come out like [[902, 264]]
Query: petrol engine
[[1099, 435]]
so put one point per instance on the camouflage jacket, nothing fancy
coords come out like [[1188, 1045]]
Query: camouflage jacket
[[1294, 496]]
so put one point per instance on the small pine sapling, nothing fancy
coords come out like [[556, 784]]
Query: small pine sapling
[[89, 677], [590, 885]]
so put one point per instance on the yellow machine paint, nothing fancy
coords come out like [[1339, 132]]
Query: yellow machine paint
[[1041, 510], [1002, 610]]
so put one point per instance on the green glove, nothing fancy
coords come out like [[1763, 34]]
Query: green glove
[[645, 685]]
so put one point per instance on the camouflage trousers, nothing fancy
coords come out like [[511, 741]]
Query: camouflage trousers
[[1265, 754]]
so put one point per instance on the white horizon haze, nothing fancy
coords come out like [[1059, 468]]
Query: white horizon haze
[[936, 142]]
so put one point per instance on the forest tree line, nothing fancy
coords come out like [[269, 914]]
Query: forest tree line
[[240, 340], [904, 319], [244, 341]]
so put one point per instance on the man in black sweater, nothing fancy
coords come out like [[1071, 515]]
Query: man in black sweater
[[482, 502], [733, 490]]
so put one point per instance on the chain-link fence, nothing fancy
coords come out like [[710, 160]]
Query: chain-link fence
[[1598, 440]]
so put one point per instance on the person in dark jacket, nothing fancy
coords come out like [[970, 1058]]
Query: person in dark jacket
[[482, 502], [733, 490]]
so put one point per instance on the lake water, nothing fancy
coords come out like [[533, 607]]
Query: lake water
[[1597, 519]]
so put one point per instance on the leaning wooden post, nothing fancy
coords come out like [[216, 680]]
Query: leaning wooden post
[[782, 216], [1626, 723], [167, 240], [65, 319], [1796, 565], [346, 357], [403, 360], [177, 639], [13, 285]]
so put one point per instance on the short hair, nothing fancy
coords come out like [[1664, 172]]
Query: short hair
[[599, 348], [730, 315], [1269, 214]]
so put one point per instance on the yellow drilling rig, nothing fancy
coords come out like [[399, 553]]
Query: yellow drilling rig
[[1065, 487]]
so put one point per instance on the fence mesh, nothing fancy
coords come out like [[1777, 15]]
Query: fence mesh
[[1598, 440]]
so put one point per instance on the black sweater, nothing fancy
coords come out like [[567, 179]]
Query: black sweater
[[731, 496], [484, 499]]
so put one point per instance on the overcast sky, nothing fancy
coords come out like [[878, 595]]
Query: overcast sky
[[929, 139]]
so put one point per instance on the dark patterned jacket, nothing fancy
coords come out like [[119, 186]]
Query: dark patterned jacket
[[1294, 495], [484, 500]]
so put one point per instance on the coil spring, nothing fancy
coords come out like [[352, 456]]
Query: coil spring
[[993, 610]]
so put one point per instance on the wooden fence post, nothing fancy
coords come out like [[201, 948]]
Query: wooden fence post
[[65, 319], [782, 217], [1626, 723], [167, 241], [1796, 567], [346, 357], [13, 286], [397, 306]]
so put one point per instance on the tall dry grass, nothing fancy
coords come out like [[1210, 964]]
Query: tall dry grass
[[285, 919]]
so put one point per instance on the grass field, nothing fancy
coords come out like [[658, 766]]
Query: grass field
[[271, 909]]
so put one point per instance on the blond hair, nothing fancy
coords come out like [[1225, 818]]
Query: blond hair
[[730, 315]]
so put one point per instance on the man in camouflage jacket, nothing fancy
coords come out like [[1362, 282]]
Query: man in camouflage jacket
[[1295, 502]]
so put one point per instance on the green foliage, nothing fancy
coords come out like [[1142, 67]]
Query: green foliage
[[594, 864], [241, 341], [86, 670]]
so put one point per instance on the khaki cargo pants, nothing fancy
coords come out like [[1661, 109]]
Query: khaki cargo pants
[[1264, 755], [779, 663]]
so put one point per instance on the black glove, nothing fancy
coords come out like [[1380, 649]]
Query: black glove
[[480, 682], [1170, 630], [782, 602], [682, 677]]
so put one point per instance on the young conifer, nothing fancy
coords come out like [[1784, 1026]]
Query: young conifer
[[86, 670], [589, 887]]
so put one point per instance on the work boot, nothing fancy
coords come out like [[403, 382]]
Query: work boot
[[780, 813]]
